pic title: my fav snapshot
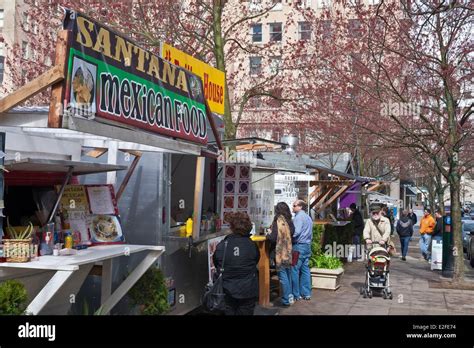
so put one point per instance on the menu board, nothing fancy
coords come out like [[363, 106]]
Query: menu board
[[102, 199], [92, 211], [236, 189]]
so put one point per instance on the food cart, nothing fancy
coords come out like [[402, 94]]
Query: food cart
[[157, 159]]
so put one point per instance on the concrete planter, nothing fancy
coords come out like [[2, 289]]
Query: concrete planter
[[323, 278]]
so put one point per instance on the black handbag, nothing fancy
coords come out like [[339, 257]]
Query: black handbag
[[213, 299]]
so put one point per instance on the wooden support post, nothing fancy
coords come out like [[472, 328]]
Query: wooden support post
[[263, 274], [198, 193], [32, 88], [56, 106]]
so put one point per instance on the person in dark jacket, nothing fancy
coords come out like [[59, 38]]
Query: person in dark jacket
[[437, 232], [240, 277], [281, 240], [405, 232], [358, 224], [413, 217]]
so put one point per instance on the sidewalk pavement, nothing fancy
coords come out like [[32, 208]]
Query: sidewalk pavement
[[410, 284]]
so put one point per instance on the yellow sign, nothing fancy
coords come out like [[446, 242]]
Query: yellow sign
[[213, 79]]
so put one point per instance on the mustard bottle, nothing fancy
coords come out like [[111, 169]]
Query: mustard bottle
[[189, 227]]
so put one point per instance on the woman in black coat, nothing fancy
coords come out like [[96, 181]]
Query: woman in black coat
[[240, 277], [405, 232]]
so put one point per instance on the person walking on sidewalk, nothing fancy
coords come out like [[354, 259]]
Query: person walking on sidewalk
[[300, 273], [427, 225], [280, 239], [358, 224], [405, 232], [377, 228], [413, 217], [437, 232]]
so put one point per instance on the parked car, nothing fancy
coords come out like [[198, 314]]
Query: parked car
[[467, 218], [467, 229]]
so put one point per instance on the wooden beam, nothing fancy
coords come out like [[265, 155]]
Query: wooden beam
[[56, 106], [334, 197], [32, 88], [321, 197], [375, 186], [127, 177], [330, 182]]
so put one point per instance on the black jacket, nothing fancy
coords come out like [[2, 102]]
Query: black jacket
[[405, 227], [413, 218], [240, 279], [438, 230], [358, 222]]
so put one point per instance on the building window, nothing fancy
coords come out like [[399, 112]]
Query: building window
[[326, 27], [304, 31], [324, 4], [25, 48], [275, 32], [256, 33], [303, 3], [354, 27], [2, 61], [2, 20], [354, 3], [374, 2], [26, 21], [277, 5], [275, 63], [255, 65], [255, 5]]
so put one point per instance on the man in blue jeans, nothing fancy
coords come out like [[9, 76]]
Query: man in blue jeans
[[300, 273]]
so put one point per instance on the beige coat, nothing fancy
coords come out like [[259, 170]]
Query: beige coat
[[370, 231]]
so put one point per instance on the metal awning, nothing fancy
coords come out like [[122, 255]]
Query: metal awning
[[340, 174], [60, 166], [410, 191]]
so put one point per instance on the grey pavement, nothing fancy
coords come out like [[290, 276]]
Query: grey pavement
[[410, 283]]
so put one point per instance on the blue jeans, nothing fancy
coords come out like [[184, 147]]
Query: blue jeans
[[356, 242], [404, 242], [425, 240], [300, 273], [284, 274]]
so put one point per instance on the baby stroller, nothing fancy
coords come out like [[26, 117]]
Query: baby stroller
[[377, 272]]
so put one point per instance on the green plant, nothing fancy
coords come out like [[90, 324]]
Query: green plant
[[150, 293], [316, 248], [327, 262], [15, 234], [13, 298]]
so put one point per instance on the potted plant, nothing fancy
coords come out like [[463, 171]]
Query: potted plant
[[326, 272], [150, 293], [13, 298]]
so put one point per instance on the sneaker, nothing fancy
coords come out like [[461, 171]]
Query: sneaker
[[291, 299], [307, 298], [404, 258], [298, 298]]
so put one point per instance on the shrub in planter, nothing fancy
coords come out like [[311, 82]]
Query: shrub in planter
[[327, 272], [150, 293], [13, 298], [316, 247]]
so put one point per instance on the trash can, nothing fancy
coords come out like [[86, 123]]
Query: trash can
[[448, 257]]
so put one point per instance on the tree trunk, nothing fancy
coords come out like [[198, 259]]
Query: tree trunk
[[456, 228], [219, 42]]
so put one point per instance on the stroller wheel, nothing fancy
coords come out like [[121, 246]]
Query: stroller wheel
[[384, 295], [364, 293], [370, 294], [390, 296]]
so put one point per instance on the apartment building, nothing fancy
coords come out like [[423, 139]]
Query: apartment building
[[278, 40], [24, 50]]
